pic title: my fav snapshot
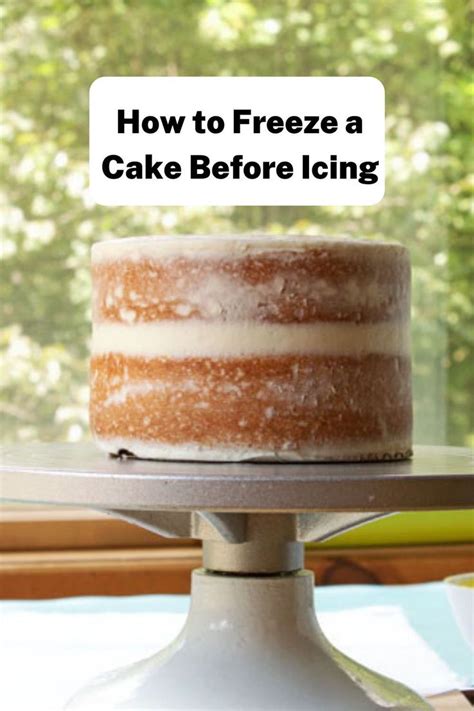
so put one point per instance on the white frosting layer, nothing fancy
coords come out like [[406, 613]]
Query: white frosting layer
[[218, 246], [197, 338], [195, 452]]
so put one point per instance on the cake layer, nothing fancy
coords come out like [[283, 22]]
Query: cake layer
[[265, 280], [286, 407]]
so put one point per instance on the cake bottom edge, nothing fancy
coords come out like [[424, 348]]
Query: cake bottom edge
[[365, 452]]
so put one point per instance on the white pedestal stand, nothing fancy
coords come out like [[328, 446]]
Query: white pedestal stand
[[248, 643]]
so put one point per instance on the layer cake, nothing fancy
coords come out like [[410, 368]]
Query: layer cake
[[251, 348]]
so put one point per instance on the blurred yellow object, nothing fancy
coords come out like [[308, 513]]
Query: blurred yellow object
[[413, 528]]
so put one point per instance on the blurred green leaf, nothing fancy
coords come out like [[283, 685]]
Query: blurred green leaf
[[54, 49]]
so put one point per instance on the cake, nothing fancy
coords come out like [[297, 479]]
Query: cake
[[251, 348]]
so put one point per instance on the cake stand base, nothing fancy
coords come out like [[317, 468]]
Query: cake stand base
[[249, 642]]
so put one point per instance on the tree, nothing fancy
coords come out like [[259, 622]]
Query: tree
[[54, 49]]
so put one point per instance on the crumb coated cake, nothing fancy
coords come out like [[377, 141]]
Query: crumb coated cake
[[235, 348]]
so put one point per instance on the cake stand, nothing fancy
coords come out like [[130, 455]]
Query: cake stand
[[251, 640]]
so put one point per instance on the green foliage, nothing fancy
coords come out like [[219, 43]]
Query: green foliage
[[54, 49]]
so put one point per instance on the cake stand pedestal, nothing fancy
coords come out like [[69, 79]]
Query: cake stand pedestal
[[251, 640]]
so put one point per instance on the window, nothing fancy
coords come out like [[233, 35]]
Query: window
[[53, 52]]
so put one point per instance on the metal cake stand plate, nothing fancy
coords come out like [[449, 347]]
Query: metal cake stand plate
[[251, 640]]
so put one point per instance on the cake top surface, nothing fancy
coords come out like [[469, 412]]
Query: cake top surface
[[230, 245]]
